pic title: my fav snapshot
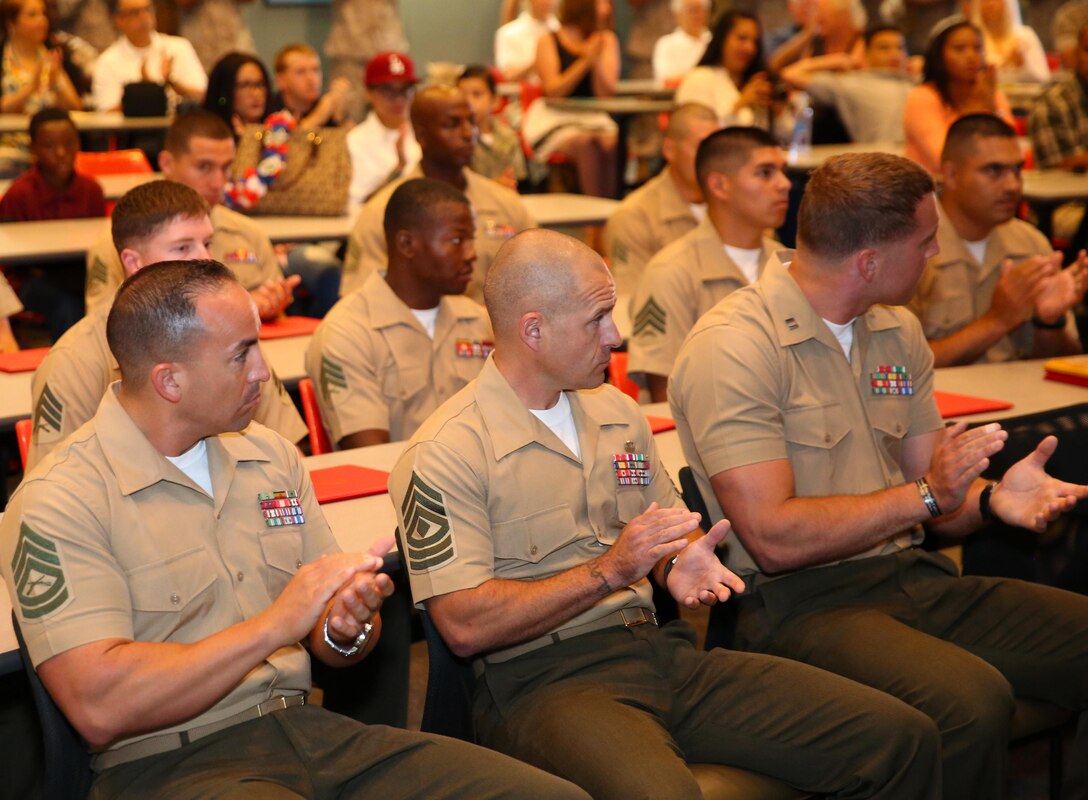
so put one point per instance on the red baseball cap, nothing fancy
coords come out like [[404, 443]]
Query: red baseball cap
[[390, 68]]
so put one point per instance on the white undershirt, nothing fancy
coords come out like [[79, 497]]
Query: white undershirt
[[977, 249], [427, 318], [844, 333], [698, 210], [747, 261], [560, 419], [194, 463]]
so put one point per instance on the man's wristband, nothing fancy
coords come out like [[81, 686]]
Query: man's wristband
[[356, 646], [927, 497], [668, 568], [984, 502], [1057, 325]]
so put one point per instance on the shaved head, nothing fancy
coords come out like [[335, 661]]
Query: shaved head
[[431, 99], [537, 270]]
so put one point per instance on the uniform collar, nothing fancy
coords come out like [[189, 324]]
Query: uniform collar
[[512, 426], [713, 261], [387, 310], [136, 463], [672, 205], [954, 250], [795, 320]]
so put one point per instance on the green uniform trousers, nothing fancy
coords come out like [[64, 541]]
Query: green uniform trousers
[[619, 712], [312, 753], [960, 649]]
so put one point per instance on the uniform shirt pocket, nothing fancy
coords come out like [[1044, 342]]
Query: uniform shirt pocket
[[891, 420], [282, 549], [169, 594], [533, 538], [812, 434], [403, 383]]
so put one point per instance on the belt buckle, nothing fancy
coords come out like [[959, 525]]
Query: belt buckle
[[633, 617], [271, 706]]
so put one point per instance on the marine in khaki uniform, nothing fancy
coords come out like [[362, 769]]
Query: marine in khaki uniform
[[170, 580], [996, 290], [533, 507], [198, 152], [446, 133], [804, 405], [666, 207], [741, 174], [388, 354], [68, 384]]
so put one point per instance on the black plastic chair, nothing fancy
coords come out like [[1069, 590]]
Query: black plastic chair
[[67, 763]]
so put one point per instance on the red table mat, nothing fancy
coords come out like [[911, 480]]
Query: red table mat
[[332, 484], [959, 405], [660, 424], [22, 360], [1066, 377], [289, 326]]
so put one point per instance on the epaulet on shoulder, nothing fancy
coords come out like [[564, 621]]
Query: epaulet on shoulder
[[69, 449]]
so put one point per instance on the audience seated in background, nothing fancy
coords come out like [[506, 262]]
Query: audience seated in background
[[531, 547], [382, 146], [731, 77], [741, 174], [677, 53], [238, 91], [581, 59], [446, 132], [198, 153], [1013, 47], [956, 81], [32, 75], [996, 290], [215, 28], [158, 221], [392, 351], [836, 28], [804, 405], [498, 150], [202, 690], [1058, 123], [298, 89], [516, 41], [663, 209], [802, 15], [50, 190], [141, 53], [870, 101]]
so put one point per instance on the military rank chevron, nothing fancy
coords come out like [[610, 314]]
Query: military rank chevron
[[427, 531], [332, 376], [650, 317]]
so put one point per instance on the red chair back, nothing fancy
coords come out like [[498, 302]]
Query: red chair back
[[113, 162], [311, 412], [617, 374], [23, 430]]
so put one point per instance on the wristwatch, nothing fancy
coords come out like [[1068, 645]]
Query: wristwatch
[[356, 646]]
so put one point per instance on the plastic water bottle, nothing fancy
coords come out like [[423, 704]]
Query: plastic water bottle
[[801, 139]]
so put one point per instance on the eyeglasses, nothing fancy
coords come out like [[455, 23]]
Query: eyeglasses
[[251, 86]]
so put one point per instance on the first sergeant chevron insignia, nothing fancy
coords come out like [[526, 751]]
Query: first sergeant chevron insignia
[[650, 316], [38, 574], [428, 534], [332, 376], [49, 413]]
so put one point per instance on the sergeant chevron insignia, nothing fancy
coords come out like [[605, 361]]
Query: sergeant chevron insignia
[[650, 316], [38, 575], [428, 533], [332, 376], [49, 413]]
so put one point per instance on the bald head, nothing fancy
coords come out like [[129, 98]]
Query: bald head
[[444, 126], [537, 270]]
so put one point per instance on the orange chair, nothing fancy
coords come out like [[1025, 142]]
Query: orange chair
[[113, 162], [23, 429], [311, 412], [617, 375]]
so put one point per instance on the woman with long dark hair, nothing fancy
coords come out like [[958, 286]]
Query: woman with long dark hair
[[238, 88], [957, 81]]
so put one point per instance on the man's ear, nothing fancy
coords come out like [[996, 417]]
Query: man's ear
[[530, 329], [167, 382], [166, 161], [865, 263], [132, 261], [405, 242], [718, 186]]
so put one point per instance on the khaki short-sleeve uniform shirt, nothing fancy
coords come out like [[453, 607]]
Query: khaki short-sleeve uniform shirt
[[106, 539], [376, 368], [681, 283], [9, 303], [486, 490], [649, 218], [955, 289], [762, 378], [69, 383], [499, 215], [237, 242]]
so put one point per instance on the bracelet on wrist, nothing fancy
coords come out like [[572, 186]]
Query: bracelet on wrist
[[356, 645], [668, 568], [927, 497], [984, 510], [1048, 326]]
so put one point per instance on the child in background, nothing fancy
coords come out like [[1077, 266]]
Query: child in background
[[498, 151], [52, 189]]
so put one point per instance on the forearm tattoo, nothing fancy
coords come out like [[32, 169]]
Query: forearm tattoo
[[595, 571]]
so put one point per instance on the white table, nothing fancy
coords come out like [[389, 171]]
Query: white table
[[104, 121], [810, 159]]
